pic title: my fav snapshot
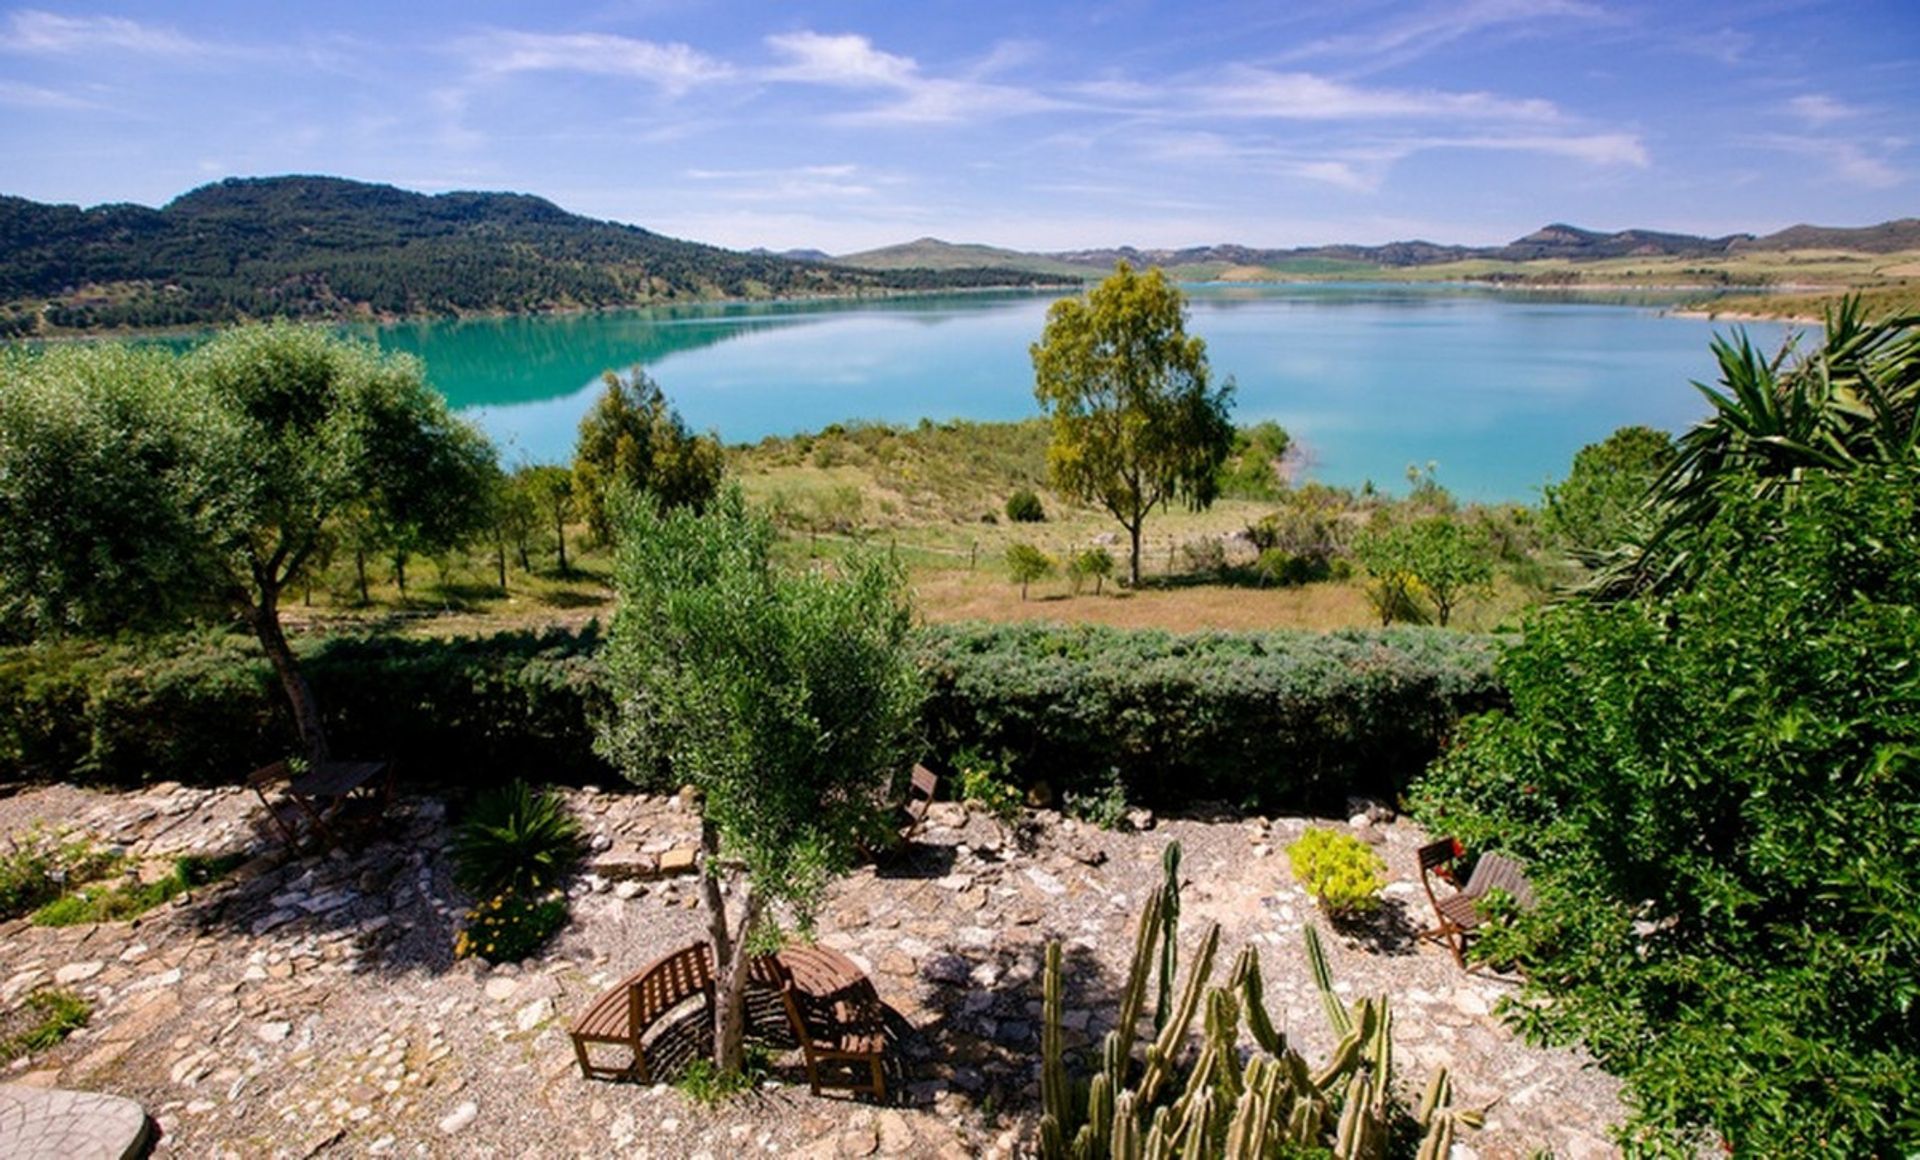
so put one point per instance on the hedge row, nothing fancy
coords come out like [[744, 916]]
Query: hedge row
[[1264, 720], [1258, 720]]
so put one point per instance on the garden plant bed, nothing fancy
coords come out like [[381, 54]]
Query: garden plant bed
[[313, 1005]]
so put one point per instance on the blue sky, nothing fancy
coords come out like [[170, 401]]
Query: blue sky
[[1033, 124]]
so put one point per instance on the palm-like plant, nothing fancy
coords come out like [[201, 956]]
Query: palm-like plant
[[1853, 402], [515, 840]]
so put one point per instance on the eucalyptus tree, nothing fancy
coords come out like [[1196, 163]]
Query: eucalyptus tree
[[1135, 424]]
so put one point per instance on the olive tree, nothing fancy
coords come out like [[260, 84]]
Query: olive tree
[[217, 478], [1135, 424], [787, 698], [634, 439]]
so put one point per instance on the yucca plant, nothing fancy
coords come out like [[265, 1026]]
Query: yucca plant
[[515, 840]]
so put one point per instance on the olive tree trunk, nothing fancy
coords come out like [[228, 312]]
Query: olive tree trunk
[[264, 617]]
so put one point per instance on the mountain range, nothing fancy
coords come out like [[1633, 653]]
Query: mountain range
[[326, 247]]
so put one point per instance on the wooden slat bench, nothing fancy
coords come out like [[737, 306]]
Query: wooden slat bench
[[830, 1006], [838, 1018]]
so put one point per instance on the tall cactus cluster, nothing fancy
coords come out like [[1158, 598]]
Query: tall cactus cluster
[[1269, 1104]]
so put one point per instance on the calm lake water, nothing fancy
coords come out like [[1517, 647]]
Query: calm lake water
[[1498, 391]]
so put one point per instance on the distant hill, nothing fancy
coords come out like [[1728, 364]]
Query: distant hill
[[1557, 242], [934, 254], [1885, 238], [324, 247]]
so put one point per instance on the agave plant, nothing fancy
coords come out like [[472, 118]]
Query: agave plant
[[515, 840], [1851, 403]]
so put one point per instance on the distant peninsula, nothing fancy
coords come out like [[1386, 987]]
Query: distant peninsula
[[330, 248]]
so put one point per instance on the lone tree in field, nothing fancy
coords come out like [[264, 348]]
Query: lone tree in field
[[788, 699], [139, 488], [1135, 425], [634, 439]]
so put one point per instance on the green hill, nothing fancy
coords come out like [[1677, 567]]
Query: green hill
[[934, 254], [323, 247]]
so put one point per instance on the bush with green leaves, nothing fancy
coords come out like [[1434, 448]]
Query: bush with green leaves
[[1095, 562], [1105, 805], [516, 840], [1716, 790], [1271, 720], [1342, 872], [984, 782], [1023, 507], [1025, 564]]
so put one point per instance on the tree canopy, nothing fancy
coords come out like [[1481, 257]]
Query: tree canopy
[[1135, 423], [217, 477], [1602, 502], [632, 438], [788, 699]]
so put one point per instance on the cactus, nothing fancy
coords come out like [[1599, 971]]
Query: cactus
[[1270, 1104], [1170, 946]]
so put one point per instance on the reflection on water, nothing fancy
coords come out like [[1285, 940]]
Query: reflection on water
[[1499, 388]]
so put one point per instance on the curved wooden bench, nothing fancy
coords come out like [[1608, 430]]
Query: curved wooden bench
[[625, 1013], [838, 1018]]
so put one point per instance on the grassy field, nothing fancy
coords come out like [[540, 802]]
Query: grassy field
[[934, 496]]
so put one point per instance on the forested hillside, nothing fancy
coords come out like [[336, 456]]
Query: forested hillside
[[321, 247]]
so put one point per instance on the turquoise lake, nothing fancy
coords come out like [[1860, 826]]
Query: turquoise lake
[[1497, 390]]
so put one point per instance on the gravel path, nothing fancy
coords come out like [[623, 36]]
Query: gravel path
[[313, 1007]]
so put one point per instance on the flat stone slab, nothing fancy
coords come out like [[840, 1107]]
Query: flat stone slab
[[56, 1124]]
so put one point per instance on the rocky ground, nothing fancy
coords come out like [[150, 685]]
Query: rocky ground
[[312, 1006]]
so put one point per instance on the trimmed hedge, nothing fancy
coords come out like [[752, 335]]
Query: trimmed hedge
[[1260, 720], [208, 709]]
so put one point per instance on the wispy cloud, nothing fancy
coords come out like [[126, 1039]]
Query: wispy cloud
[[852, 62], [1419, 33], [23, 96], [1849, 162], [807, 181], [673, 68], [1820, 110], [1299, 96], [30, 30]]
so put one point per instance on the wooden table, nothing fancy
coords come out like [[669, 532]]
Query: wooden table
[[320, 793]]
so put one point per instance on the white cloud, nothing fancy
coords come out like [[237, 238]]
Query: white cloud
[[674, 68], [23, 96], [1298, 96], [47, 33], [1424, 32], [807, 181], [842, 61], [852, 62], [1820, 110], [1849, 162]]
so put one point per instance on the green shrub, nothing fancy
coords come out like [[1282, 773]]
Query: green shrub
[[1716, 792], [508, 927], [1342, 872], [705, 1084], [46, 1018], [515, 840], [1269, 721], [1277, 720], [983, 782], [1105, 806], [1026, 563], [1281, 567], [1094, 562], [1023, 507]]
